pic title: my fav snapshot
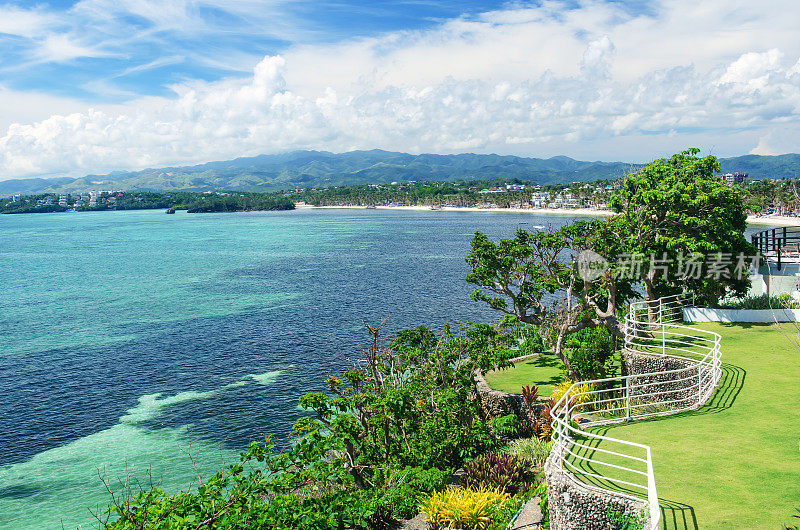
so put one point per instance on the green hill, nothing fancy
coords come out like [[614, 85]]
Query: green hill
[[302, 169]]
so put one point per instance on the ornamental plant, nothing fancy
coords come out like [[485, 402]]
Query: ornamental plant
[[530, 394], [463, 508], [534, 450], [578, 394], [507, 472]]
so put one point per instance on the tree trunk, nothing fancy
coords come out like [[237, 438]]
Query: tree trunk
[[650, 297], [559, 351]]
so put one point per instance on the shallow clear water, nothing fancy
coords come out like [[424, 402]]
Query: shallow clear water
[[129, 338]]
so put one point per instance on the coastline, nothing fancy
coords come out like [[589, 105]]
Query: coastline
[[541, 211], [772, 220]]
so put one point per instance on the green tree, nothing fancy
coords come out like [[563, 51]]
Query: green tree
[[675, 208], [542, 279]]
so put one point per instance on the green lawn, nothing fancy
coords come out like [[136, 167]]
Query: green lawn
[[735, 463], [544, 370]]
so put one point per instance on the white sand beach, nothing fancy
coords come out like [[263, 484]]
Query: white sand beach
[[540, 211], [773, 220], [769, 220]]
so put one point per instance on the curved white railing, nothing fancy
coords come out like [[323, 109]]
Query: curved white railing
[[692, 368]]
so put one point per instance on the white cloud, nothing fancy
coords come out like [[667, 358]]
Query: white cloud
[[753, 69], [780, 140], [63, 47], [593, 81], [27, 23]]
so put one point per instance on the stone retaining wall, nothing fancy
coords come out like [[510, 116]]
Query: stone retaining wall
[[574, 505], [494, 403], [669, 386]]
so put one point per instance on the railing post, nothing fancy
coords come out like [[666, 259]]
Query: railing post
[[699, 384], [627, 398]]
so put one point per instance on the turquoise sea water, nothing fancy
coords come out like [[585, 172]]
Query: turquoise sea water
[[129, 339]]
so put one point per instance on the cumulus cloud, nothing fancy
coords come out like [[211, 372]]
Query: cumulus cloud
[[753, 69], [548, 79], [778, 141]]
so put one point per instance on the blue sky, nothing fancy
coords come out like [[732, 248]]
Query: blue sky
[[101, 85], [138, 53]]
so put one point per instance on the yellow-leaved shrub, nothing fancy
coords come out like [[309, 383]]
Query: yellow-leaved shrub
[[463, 508], [576, 395]]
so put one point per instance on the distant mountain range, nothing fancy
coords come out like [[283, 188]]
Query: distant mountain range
[[301, 169]]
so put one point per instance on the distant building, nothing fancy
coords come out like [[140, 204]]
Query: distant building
[[540, 199], [734, 178]]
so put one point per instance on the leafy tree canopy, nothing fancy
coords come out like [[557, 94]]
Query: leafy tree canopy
[[673, 208], [540, 278]]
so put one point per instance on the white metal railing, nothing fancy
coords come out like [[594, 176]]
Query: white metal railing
[[650, 328]]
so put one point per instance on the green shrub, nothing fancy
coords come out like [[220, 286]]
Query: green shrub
[[506, 427], [578, 395], [534, 450], [589, 352], [507, 472], [405, 488], [784, 301], [532, 341], [463, 508]]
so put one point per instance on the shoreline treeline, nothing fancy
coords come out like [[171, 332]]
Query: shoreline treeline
[[193, 202]]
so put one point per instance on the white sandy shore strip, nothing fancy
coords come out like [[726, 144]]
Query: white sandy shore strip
[[545, 211], [771, 220]]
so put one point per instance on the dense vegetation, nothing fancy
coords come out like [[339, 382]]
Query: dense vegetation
[[458, 193], [676, 208], [193, 202]]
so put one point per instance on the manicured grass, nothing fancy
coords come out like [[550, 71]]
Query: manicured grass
[[735, 463], [544, 371]]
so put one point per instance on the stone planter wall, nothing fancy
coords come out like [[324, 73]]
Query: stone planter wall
[[577, 506], [494, 403], [684, 392]]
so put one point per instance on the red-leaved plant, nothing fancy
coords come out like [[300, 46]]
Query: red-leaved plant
[[529, 394]]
